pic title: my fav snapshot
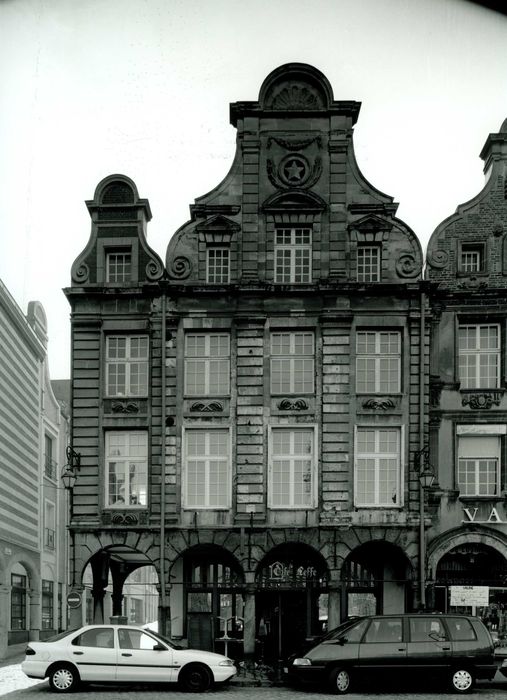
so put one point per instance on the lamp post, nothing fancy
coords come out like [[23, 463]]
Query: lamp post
[[69, 478], [426, 479]]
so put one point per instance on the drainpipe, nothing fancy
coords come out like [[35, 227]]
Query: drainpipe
[[163, 601], [422, 534]]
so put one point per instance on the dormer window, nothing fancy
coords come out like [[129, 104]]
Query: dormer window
[[293, 255], [218, 265], [119, 266], [472, 258], [368, 263]]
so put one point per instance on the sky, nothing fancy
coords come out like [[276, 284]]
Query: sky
[[89, 88]]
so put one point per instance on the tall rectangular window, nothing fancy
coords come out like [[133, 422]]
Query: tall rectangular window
[[207, 364], [292, 363], [207, 469], [18, 602], [378, 467], [368, 263], [378, 362], [126, 468], [218, 265], [119, 266], [47, 605], [49, 462], [127, 365], [49, 525], [479, 356], [293, 255], [472, 258], [478, 465], [292, 474]]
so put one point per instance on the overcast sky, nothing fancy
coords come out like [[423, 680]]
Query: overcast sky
[[142, 87]]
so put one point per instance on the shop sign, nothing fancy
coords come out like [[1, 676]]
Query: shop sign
[[288, 575], [470, 516], [469, 595]]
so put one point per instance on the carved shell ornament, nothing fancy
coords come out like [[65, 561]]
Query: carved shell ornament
[[406, 265], [180, 268], [296, 96]]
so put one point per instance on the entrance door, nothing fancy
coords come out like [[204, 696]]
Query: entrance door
[[282, 623]]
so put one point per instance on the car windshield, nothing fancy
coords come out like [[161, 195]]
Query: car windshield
[[337, 631], [163, 639]]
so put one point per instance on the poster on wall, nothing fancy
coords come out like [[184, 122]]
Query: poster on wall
[[469, 595], [360, 604]]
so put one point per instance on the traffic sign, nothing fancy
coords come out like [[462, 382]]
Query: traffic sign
[[74, 599]]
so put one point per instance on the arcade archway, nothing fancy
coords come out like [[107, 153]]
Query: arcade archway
[[291, 599]]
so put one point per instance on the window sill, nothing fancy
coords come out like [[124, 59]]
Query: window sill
[[482, 499]]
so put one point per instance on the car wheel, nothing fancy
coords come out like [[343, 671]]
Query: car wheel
[[462, 680], [195, 679], [63, 678], [339, 681]]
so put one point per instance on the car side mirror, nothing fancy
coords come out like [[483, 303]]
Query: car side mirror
[[159, 647], [341, 641]]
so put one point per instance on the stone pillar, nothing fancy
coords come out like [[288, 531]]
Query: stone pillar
[[333, 606], [98, 593], [4, 620], [249, 623], [164, 612], [34, 615]]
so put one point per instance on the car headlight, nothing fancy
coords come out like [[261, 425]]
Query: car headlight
[[302, 662], [226, 662]]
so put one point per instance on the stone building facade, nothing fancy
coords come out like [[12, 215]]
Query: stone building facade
[[249, 415], [33, 509], [467, 261]]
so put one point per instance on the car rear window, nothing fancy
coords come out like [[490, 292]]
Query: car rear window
[[101, 637], [461, 629]]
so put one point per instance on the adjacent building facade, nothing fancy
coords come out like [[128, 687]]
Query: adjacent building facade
[[33, 511], [250, 417], [467, 259]]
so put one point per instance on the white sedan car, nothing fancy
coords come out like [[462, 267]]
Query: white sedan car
[[122, 654]]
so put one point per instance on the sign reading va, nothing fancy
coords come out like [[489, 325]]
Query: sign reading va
[[470, 516]]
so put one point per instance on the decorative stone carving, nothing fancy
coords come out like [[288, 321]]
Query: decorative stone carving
[[180, 268], [293, 145], [207, 407], [110, 517], [438, 259], [294, 171], [406, 265], [81, 273], [296, 96], [482, 400], [154, 270], [473, 283], [293, 405], [125, 407], [379, 404]]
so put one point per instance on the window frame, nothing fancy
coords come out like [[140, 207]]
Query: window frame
[[477, 353], [293, 428], [361, 273], [128, 361], [120, 250], [377, 357], [20, 591], [400, 478], [47, 605], [466, 432], [207, 430], [292, 357], [466, 247], [292, 249], [223, 249], [206, 358], [127, 462]]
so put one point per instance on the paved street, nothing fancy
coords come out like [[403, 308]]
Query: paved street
[[16, 686]]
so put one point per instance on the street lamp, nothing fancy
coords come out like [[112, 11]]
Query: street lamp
[[426, 478], [69, 478]]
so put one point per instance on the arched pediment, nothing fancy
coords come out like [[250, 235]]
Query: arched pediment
[[296, 86], [294, 199]]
